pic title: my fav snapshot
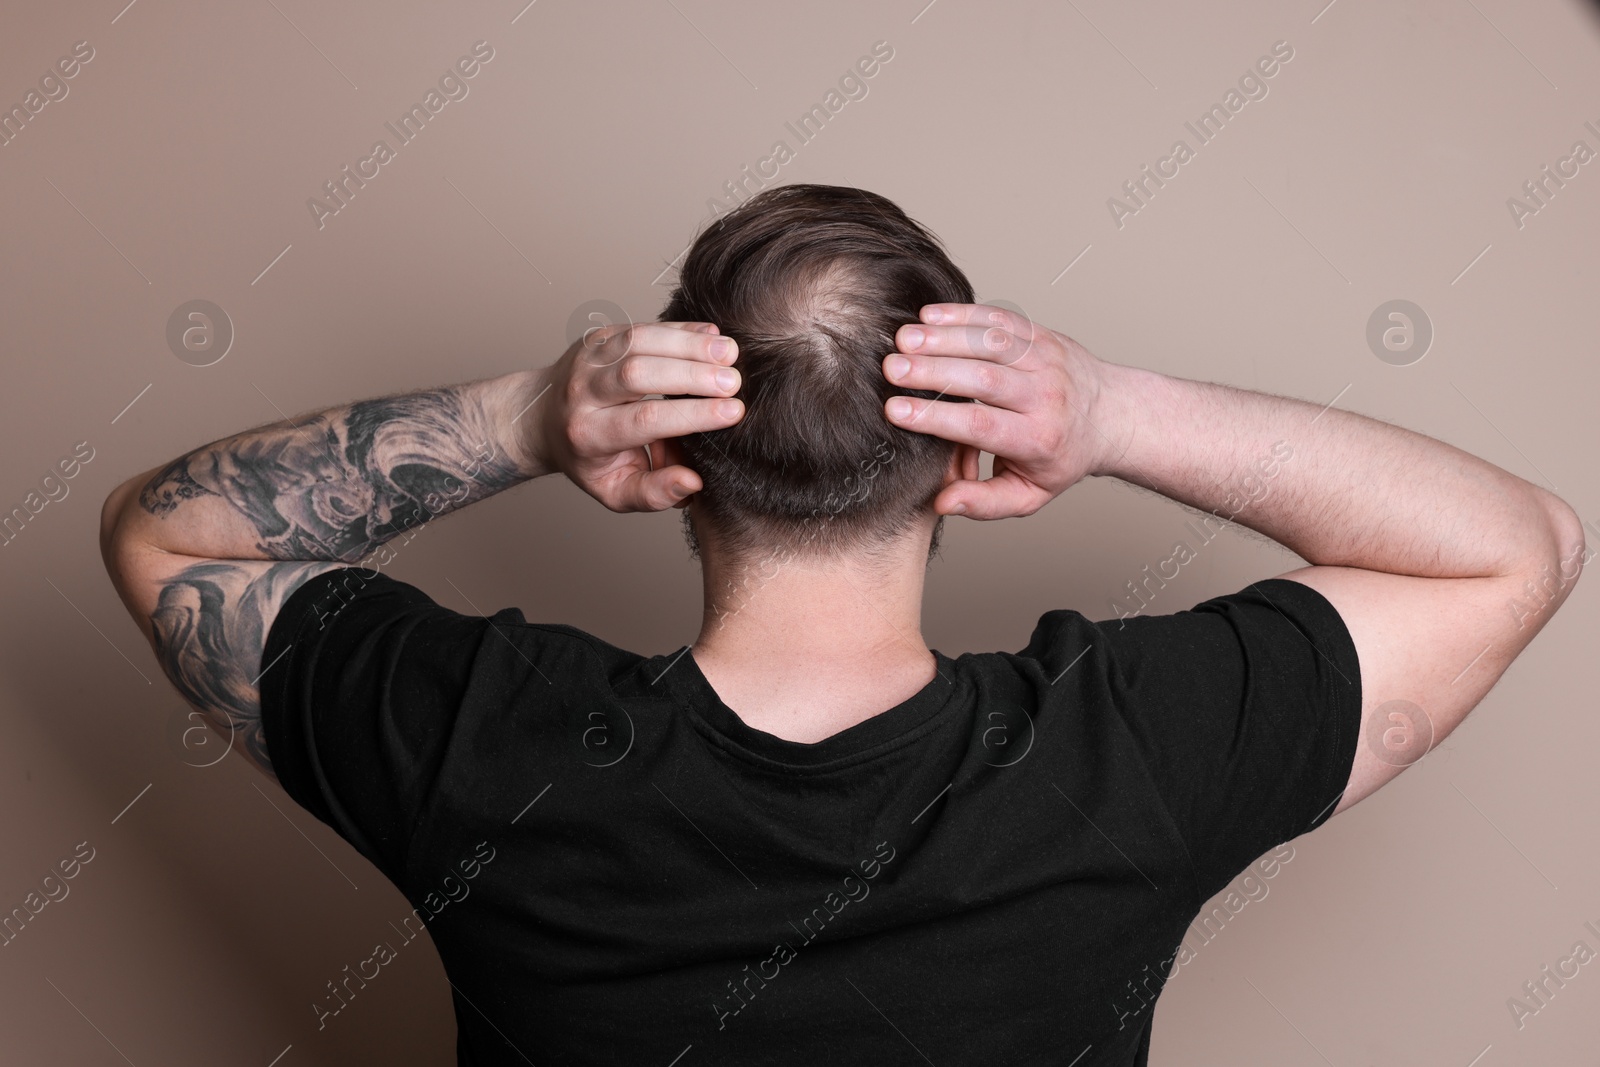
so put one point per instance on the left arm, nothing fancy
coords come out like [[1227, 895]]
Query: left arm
[[205, 550], [339, 483]]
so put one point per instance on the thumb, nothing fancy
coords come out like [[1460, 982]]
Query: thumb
[[666, 488], [1001, 497]]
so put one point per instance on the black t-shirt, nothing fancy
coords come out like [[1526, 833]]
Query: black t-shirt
[[616, 869]]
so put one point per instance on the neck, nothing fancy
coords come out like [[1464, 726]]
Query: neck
[[805, 648], [790, 619]]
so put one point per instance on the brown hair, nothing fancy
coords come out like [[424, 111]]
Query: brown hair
[[813, 281]]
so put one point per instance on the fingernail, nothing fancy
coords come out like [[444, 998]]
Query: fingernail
[[959, 509], [729, 408], [933, 315], [721, 346], [912, 337], [727, 379], [899, 408], [681, 489], [897, 367]]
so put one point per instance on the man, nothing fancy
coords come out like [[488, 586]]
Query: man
[[807, 837]]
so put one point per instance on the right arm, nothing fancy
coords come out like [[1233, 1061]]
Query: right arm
[[1442, 565]]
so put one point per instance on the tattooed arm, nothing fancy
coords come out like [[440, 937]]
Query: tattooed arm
[[205, 550], [337, 484], [209, 627]]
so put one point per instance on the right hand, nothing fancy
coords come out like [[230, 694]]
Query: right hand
[[1037, 390], [600, 429]]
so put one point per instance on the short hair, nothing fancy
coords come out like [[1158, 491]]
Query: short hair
[[813, 281]]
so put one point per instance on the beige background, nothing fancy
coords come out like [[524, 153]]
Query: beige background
[[577, 168]]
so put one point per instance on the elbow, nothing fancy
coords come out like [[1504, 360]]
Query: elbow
[[111, 521], [1569, 549], [1575, 551]]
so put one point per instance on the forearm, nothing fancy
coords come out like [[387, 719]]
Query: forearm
[[336, 484], [1337, 488]]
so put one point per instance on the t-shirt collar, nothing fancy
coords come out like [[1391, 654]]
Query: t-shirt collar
[[907, 720]]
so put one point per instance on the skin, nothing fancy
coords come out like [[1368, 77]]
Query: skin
[[1421, 547], [204, 550]]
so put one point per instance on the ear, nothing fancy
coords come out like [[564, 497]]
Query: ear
[[963, 464], [667, 453]]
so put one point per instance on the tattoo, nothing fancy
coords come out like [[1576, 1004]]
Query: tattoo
[[210, 626], [348, 479], [167, 489]]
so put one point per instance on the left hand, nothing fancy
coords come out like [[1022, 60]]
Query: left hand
[[600, 431]]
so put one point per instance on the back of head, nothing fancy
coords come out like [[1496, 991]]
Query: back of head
[[813, 281]]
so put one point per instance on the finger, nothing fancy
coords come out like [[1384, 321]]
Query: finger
[[1000, 386], [660, 490], [695, 327], [979, 315], [987, 318], [991, 429], [1001, 497], [993, 343], [610, 430], [610, 344], [641, 376]]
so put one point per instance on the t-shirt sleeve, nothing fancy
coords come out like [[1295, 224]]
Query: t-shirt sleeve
[[1247, 709], [364, 680]]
